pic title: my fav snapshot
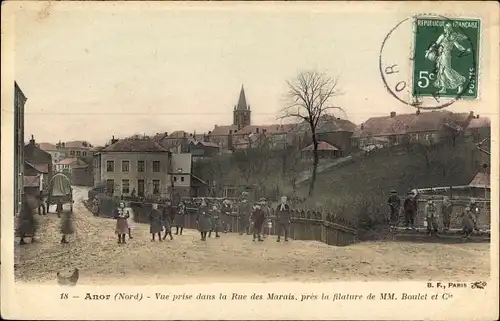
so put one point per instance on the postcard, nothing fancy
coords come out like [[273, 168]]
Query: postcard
[[249, 160]]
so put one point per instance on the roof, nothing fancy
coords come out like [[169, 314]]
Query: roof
[[134, 145], [274, 129], [483, 122], [405, 123], [327, 124], [178, 134], [77, 144], [481, 180], [41, 168], [242, 101], [223, 130], [207, 144], [322, 146], [31, 181], [47, 146], [67, 161]]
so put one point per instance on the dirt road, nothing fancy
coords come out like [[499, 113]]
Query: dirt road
[[94, 249]]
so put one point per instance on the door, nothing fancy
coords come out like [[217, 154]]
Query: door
[[140, 188]]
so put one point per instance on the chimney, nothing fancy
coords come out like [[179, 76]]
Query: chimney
[[184, 134], [166, 134], [32, 140], [257, 130], [205, 138], [393, 114], [230, 132], [477, 116], [471, 114], [362, 126]]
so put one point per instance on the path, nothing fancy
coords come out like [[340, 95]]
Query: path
[[95, 251], [307, 174]]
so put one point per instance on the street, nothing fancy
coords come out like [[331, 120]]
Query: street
[[232, 258]]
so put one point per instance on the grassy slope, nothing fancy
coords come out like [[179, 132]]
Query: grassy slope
[[359, 190]]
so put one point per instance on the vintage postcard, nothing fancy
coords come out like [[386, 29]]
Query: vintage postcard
[[250, 160]]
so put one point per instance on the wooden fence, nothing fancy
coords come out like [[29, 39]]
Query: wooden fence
[[305, 225]]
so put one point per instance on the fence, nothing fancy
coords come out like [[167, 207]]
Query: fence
[[305, 225]]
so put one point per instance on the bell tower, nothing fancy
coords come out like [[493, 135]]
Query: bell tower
[[242, 112]]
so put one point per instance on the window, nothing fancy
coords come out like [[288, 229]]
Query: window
[[84, 153], [182, 178], [125, 166], [125, 186], [175, 178], [78, 153], [156, 166], [140, 166], [140, 188], [72, 153], [156, 187], [110, 166], [110, 186]]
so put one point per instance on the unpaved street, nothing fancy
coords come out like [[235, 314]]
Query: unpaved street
[[95, 251]]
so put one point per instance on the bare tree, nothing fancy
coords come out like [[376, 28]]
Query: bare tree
[[309, 94]]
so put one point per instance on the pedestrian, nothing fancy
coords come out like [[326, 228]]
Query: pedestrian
[[203, 220], [26, 223], [122, 228], [132, 194], [155, 226], [130, 218], [167, 219], [283, 218], [41, 203], [394, 203], [431, 217], [180, 218], [244, 210], [467, 221], [410, 209], [226, 215], [474, 208], [267, 219], [59, 207], [216, 221], [258, 218], [446, 210]]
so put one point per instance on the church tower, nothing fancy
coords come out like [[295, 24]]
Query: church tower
[[241, 112]]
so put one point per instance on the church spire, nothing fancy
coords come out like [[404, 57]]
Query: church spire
[[242, 101]]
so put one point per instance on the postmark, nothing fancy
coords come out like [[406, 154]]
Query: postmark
[[440, 65]]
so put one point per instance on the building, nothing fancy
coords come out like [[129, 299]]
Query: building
[[36, 178], [56, 153], [423, 127], [479, 128], [325, 150], [75, 148], [19, 103], [82, 172], [65, 165], [203, 149], [242, 113], [223, 136], [38, 162]]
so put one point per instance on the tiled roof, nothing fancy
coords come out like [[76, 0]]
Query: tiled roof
[[134, 145], [67, 161], [77, 144], [209, 144], [481, 180], [327, 124], [223, 130], [483, 122], [322, 146], [31, 181], [178, 134], [404, 123], [47, 146], [41, 168]]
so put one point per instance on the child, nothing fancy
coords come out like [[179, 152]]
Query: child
[[121, 217]]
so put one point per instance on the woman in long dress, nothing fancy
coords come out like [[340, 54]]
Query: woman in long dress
[[27, 225], [180, 218], [204, 220], [155, 224], [446, 77], [121, 217]]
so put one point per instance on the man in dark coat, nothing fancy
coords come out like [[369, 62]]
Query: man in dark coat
[[204, 220], [394, 204], [244, 210], [41, 203], [155, 224], [283, 217], [66, 225], [26, 224], [216, 221], [410, 209], [258, 218], [180, 218], [226, 215], [168, 215]]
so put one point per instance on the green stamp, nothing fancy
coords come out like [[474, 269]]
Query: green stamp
[[445, 62]]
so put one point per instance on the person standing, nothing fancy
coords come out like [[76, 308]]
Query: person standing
[[226, 215], [410, 209], [283, 217], [446, 210], [467, 221], [474, 208], [130, 218], [394, 203], [258, 218], [155, 226], [66, 225], [203, 220], [180, 218], [167, 219], [244, 210], [122, 228], [431, 217], [267, 213], [41, 203], [26, 223], [216, 222]]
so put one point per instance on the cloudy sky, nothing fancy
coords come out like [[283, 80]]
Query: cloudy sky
[[95, 70]]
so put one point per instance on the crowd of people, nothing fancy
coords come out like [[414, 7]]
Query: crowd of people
[[433, 213], [212, 219]]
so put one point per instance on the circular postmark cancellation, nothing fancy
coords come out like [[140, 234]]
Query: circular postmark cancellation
[[431, 61]]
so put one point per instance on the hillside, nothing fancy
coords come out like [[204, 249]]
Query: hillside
[[360, 188]]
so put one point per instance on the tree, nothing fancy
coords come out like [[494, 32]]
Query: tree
[[308, 98]]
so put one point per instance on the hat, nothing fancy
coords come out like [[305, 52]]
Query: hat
[[472, 200], [393, 191]]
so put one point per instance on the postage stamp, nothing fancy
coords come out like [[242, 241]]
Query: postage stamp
[[445, 62]]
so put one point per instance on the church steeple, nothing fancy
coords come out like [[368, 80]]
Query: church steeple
[[241, 112]]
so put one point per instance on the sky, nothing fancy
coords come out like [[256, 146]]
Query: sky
[[91, 71]]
